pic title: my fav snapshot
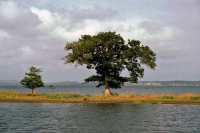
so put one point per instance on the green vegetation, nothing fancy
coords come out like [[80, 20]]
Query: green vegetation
[[195, 98], [137, 102], [32, 79], [167, 97], [144, 102], [63, 96], [52, 87], [9, 94], [109, 55]]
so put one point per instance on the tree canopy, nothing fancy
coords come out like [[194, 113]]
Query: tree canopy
[[33, 79], [109, 55]]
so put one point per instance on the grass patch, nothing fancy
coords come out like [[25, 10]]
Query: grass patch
[[195, 98], [156, 102], [11, 94], [167, 97], [147, 102], [63, 96], [138, 102]]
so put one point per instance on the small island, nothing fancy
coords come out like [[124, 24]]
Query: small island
[[24, 97], [52, 87]]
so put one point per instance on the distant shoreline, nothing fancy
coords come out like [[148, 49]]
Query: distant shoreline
[[140, 83], [185, 102], [23, 97]]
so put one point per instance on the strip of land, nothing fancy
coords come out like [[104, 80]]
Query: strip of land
[[24, 97]]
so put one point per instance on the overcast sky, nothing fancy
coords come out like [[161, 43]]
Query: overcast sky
[[34, 33]]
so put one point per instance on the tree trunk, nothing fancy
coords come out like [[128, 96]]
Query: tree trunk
[[107, 92], [107, 87], [32, 90]]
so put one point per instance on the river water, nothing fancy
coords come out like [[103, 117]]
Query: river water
[[98, 118], [92, 90]]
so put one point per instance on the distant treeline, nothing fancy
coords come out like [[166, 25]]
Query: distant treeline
[[140, 83], [167, 83], [9, 83]]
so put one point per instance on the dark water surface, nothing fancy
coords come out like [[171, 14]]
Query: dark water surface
[[99, 118], [125, 89]]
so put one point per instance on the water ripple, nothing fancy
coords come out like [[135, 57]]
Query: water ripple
[[89, 118]]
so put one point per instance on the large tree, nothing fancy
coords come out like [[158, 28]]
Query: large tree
[[109, 55], [33, 79]]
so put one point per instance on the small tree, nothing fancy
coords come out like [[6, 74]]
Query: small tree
[[32, 79], [108, 54]]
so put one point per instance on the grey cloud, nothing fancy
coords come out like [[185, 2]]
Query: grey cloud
[[50, 7], [152, 27], [23, 24], [185, 3], [77, 15], [99, 13], [23, 32]]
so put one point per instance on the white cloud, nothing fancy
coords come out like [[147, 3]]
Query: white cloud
[[26, 50], [4, 35], [45, 16], [8, 9], [165, 34], [129, 29], [90, 27]]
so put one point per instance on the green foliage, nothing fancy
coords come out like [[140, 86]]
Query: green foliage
[[157, 102], [195, 98], [109, 55], [137, 102], [63, 96], [32, 79], [167, 97], [52, 87], [147, 102]]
